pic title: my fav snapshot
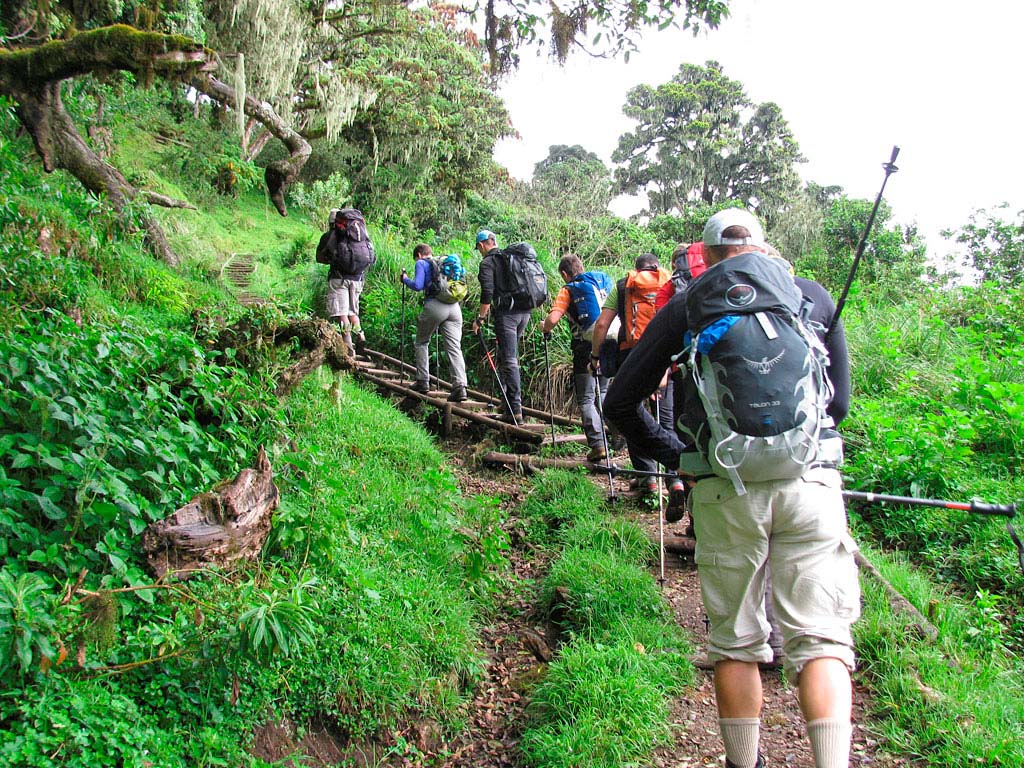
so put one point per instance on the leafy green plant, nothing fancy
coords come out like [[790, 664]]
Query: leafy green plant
[[283, 618], [27, 623]]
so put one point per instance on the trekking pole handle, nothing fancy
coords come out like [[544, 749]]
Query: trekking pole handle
[[977, 507]]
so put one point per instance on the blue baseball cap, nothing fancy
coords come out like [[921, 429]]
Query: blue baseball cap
[[485, 234]]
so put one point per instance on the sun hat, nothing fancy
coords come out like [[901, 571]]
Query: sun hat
[[484, 234], [733, 217]]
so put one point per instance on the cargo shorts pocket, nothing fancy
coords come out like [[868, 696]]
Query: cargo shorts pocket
[[723, 576], [847, 585]]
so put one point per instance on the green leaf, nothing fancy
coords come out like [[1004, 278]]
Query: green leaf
[[51, 510]]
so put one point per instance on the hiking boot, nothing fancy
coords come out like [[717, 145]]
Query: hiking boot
[[648, 486], [458, 395], [360, 344], [676, 509], [421, 386], [510, 418], [597, 454], [758, 764]]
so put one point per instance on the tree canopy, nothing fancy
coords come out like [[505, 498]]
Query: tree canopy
[[995, 245], [699, 138]]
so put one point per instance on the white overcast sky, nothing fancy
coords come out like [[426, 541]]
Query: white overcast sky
[[942, 80]]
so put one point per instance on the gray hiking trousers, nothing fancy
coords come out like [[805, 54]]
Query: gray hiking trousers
[[509, 328], [446, 318]]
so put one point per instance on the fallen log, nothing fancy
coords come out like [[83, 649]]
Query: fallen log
[[221, 527], [526, 464]]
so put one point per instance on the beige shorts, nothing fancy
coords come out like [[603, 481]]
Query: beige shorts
[[343, 297], [797, 528]]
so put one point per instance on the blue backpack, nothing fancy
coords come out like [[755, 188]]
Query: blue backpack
[[587, 292]]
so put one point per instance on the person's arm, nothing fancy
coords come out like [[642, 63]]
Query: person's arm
[[601, 325], [558, 308], [421, 278], [639, 377], [839, 361], [485, 276]]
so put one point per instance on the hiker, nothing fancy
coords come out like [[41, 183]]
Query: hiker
[[631, 302], [792, 528], [512, 284], [346, 247], [438, 314], [579, 301], [687, 264]]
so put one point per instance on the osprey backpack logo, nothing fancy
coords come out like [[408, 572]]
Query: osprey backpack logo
[[764, 365], [740, 296]]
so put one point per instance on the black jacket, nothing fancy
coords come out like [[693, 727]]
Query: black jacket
[[652, 355]]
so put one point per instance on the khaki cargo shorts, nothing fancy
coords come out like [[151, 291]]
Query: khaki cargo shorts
[[343, 297], [798, 529]]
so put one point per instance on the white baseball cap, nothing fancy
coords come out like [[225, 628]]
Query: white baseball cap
[[733, 217]]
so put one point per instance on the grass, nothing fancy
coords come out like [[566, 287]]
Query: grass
[[605, 698], [954, 703]]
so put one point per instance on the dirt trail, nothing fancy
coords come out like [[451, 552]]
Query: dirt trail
[[496, 713]]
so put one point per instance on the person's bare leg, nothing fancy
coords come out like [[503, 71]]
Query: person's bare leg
[[826, 699], [739, 697]]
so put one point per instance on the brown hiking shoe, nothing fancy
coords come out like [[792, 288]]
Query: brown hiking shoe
[[458, 395], [597, 454]]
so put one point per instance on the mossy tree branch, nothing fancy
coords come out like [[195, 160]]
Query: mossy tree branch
[[33, 76]]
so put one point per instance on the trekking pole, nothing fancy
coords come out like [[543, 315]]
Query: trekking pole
[[551, 399], [604, 436], [402, 379], [437, 360], [661, 502], [1008, 511], [497, 378], [890, 168]]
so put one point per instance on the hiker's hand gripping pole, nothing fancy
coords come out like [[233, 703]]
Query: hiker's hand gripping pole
[[890, 168]]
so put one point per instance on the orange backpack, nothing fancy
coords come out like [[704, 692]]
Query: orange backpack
[[636, 302]]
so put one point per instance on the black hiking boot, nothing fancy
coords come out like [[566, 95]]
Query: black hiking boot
[[458, 395], [360, 344], [676, 509], [511, 418], [421, 386]]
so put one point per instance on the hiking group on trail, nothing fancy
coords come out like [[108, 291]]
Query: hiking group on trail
[[732, 375]]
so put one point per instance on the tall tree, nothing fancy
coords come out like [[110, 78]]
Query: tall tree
[[995, 245], [572, 180], [699, 138]]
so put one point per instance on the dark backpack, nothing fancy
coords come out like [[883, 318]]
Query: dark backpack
[[353, 252], [759, 370], [587, 292], [689, 266], [447, 279], [520, 280]]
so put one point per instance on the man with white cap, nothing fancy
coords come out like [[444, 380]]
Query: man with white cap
[[795, 529]]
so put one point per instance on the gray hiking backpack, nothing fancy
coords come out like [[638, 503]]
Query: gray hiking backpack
[[760, 371]]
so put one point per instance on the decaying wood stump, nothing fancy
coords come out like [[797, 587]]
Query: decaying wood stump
[[216, 528]]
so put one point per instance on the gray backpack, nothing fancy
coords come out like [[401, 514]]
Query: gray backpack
[[760, 372]]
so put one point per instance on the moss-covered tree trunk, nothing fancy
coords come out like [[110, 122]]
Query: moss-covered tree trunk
[[33, 75]]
